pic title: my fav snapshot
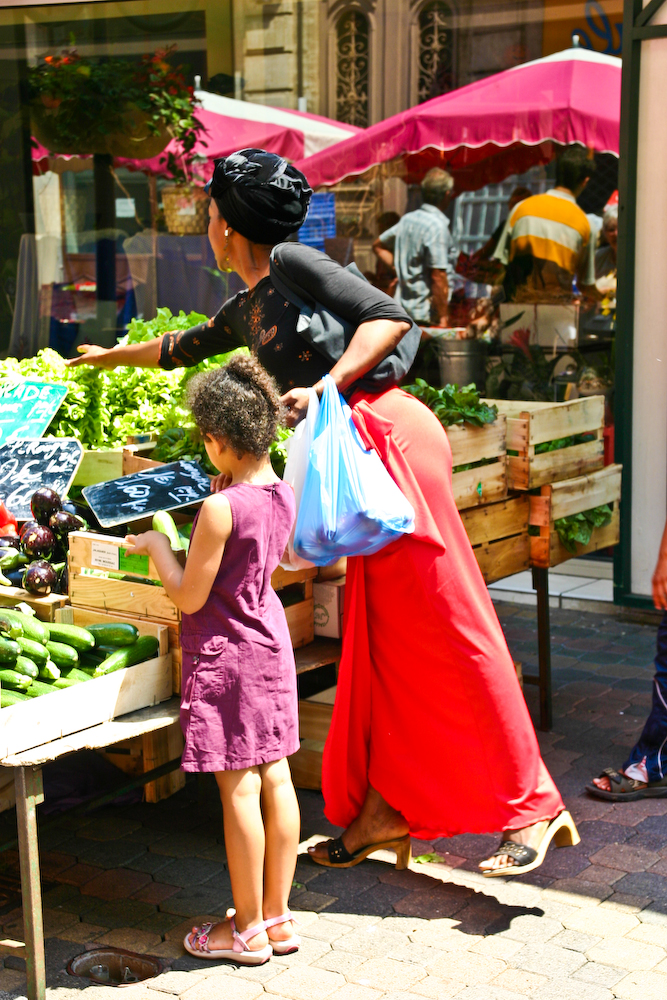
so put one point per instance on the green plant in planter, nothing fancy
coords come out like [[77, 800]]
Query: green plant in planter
[[112, 106]]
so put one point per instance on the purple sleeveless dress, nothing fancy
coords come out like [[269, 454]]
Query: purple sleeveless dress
[[239, 701]]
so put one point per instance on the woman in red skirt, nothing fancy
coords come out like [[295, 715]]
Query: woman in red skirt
[[430, 735]]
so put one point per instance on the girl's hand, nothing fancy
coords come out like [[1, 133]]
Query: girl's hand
[[142, 545], [220, 482], [296, 403]]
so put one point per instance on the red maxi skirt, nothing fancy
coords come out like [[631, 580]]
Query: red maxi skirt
[[428, 709]]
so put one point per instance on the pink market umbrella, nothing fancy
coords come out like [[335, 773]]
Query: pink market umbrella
[[232, 125], [488, 130]]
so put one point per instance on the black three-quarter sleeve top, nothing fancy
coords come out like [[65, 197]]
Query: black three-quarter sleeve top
[[263, 320]]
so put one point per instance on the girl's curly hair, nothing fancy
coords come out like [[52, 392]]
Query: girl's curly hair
[[239, 403]]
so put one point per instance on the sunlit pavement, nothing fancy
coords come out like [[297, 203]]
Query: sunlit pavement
[[590, 924]]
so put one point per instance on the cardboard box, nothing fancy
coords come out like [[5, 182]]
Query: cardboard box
[[329, 601]]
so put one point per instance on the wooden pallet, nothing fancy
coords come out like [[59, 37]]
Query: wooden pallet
[[573, 496], [498, 533], [144, 753], [530, 424], [469, 444]]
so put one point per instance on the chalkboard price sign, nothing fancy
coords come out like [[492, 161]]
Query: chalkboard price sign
[[164, 487], [27, 465], [27, 407]]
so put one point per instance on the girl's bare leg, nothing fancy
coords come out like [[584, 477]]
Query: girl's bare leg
[[282, 826], [245, 843]]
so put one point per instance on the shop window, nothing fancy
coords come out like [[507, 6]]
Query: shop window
[[352, 68], [436, 50]]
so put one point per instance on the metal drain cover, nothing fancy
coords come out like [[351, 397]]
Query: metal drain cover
[[114, 966]]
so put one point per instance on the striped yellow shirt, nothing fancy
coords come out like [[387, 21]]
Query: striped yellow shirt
[[551, 227]]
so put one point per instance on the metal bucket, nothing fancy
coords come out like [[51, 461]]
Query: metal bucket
[[462, 362]]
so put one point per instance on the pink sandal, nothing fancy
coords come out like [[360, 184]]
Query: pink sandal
[[292, 943], [197, 943]]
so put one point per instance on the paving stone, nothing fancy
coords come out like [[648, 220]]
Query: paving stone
[[111, 854], [643, 884], [79, 874], [642, 986], [379, 900], [440, 901], [600, 975], [373, 942], [538, 957], [302, 983], [235, 989], [530, 928], [625, 902], [119, 883], [626, 953], [324, 930], [115, 913], [435, 987], [196, 900], [178, 932], [160, 923], [53, 863], [131, 938], [466, 967], [169, 950], [650, 934], [387, 974], [182, 845], [317, 901], [156, 892], [568, 989], [352, 991], [109, 828], [339, 961], [188, 872], [309, 951], [82, 932], [488, 992], [625, 857], [149, 863], [578, 891], [598, 873], [497, 946], [173, 982], [519, 981]]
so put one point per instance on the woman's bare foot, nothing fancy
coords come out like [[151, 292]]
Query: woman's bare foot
[[376, 822], [220, 937], [530, 836]]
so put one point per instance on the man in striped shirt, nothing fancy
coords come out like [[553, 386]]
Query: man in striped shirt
[[548, 239]]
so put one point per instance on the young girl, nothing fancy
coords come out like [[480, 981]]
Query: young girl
[[239, 700]]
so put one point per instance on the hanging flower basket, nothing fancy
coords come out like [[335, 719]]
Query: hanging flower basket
[[121, 108], [185, 209]]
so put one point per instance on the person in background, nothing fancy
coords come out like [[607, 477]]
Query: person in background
[[605, 257], [385, 277], [420, 247], [548, 239], [490, 248], [644, 774]]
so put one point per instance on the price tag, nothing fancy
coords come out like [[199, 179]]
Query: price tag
[[104, 556]]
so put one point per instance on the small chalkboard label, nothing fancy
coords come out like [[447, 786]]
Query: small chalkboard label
[[27, 465], [27, 407], [163, 487]]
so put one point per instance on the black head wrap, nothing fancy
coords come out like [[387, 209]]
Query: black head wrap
[[260, 195]]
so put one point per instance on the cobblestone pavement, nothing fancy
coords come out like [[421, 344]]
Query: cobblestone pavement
[[590, 924]]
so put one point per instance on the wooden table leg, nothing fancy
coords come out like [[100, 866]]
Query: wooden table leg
[[29, 793], [541, 585]]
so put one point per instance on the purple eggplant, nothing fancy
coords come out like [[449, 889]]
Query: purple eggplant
[[62, 522], [26, 526], [9, 541], [40, 578], [38, 542], [44, 503]]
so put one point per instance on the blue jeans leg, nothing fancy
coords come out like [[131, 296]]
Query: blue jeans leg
[[652, 743]]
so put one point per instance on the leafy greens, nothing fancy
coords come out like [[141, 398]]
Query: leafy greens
[[454, 404], [578, 528]]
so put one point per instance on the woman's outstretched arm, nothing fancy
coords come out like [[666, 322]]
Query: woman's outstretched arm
[[144, 355]]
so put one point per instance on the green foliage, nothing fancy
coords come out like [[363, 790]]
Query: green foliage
[[454, 404], [565, 442], [525, 373], [578, 528]]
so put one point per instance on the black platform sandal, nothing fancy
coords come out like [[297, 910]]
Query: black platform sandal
[[340, 857]]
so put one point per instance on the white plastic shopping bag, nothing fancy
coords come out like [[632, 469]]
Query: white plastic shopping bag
[[298, 453]]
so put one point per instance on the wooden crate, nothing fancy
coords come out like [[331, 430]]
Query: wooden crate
[[573, 496], [498, 533], [470, 444], [102, 464], [530, 424], [314, 721], [144, 753], [33, 723], [45, 608]]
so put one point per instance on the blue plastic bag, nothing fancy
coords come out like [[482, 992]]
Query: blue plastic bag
[[350, 505]]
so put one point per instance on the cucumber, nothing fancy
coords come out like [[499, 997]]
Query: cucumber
[[24, 665], [49, 671], [63, 656], [14, 680], [32, 627], [38, 688], [74, 675], [9, 650], [164, 522], [12, 628], [9, 698], [143, 649], [66, 682], [119, 634], [71, 635], [34, 650]]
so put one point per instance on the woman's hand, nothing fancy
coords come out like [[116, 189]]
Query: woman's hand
[[296, 404], [92, 354], [220, 482], [145, 544]]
